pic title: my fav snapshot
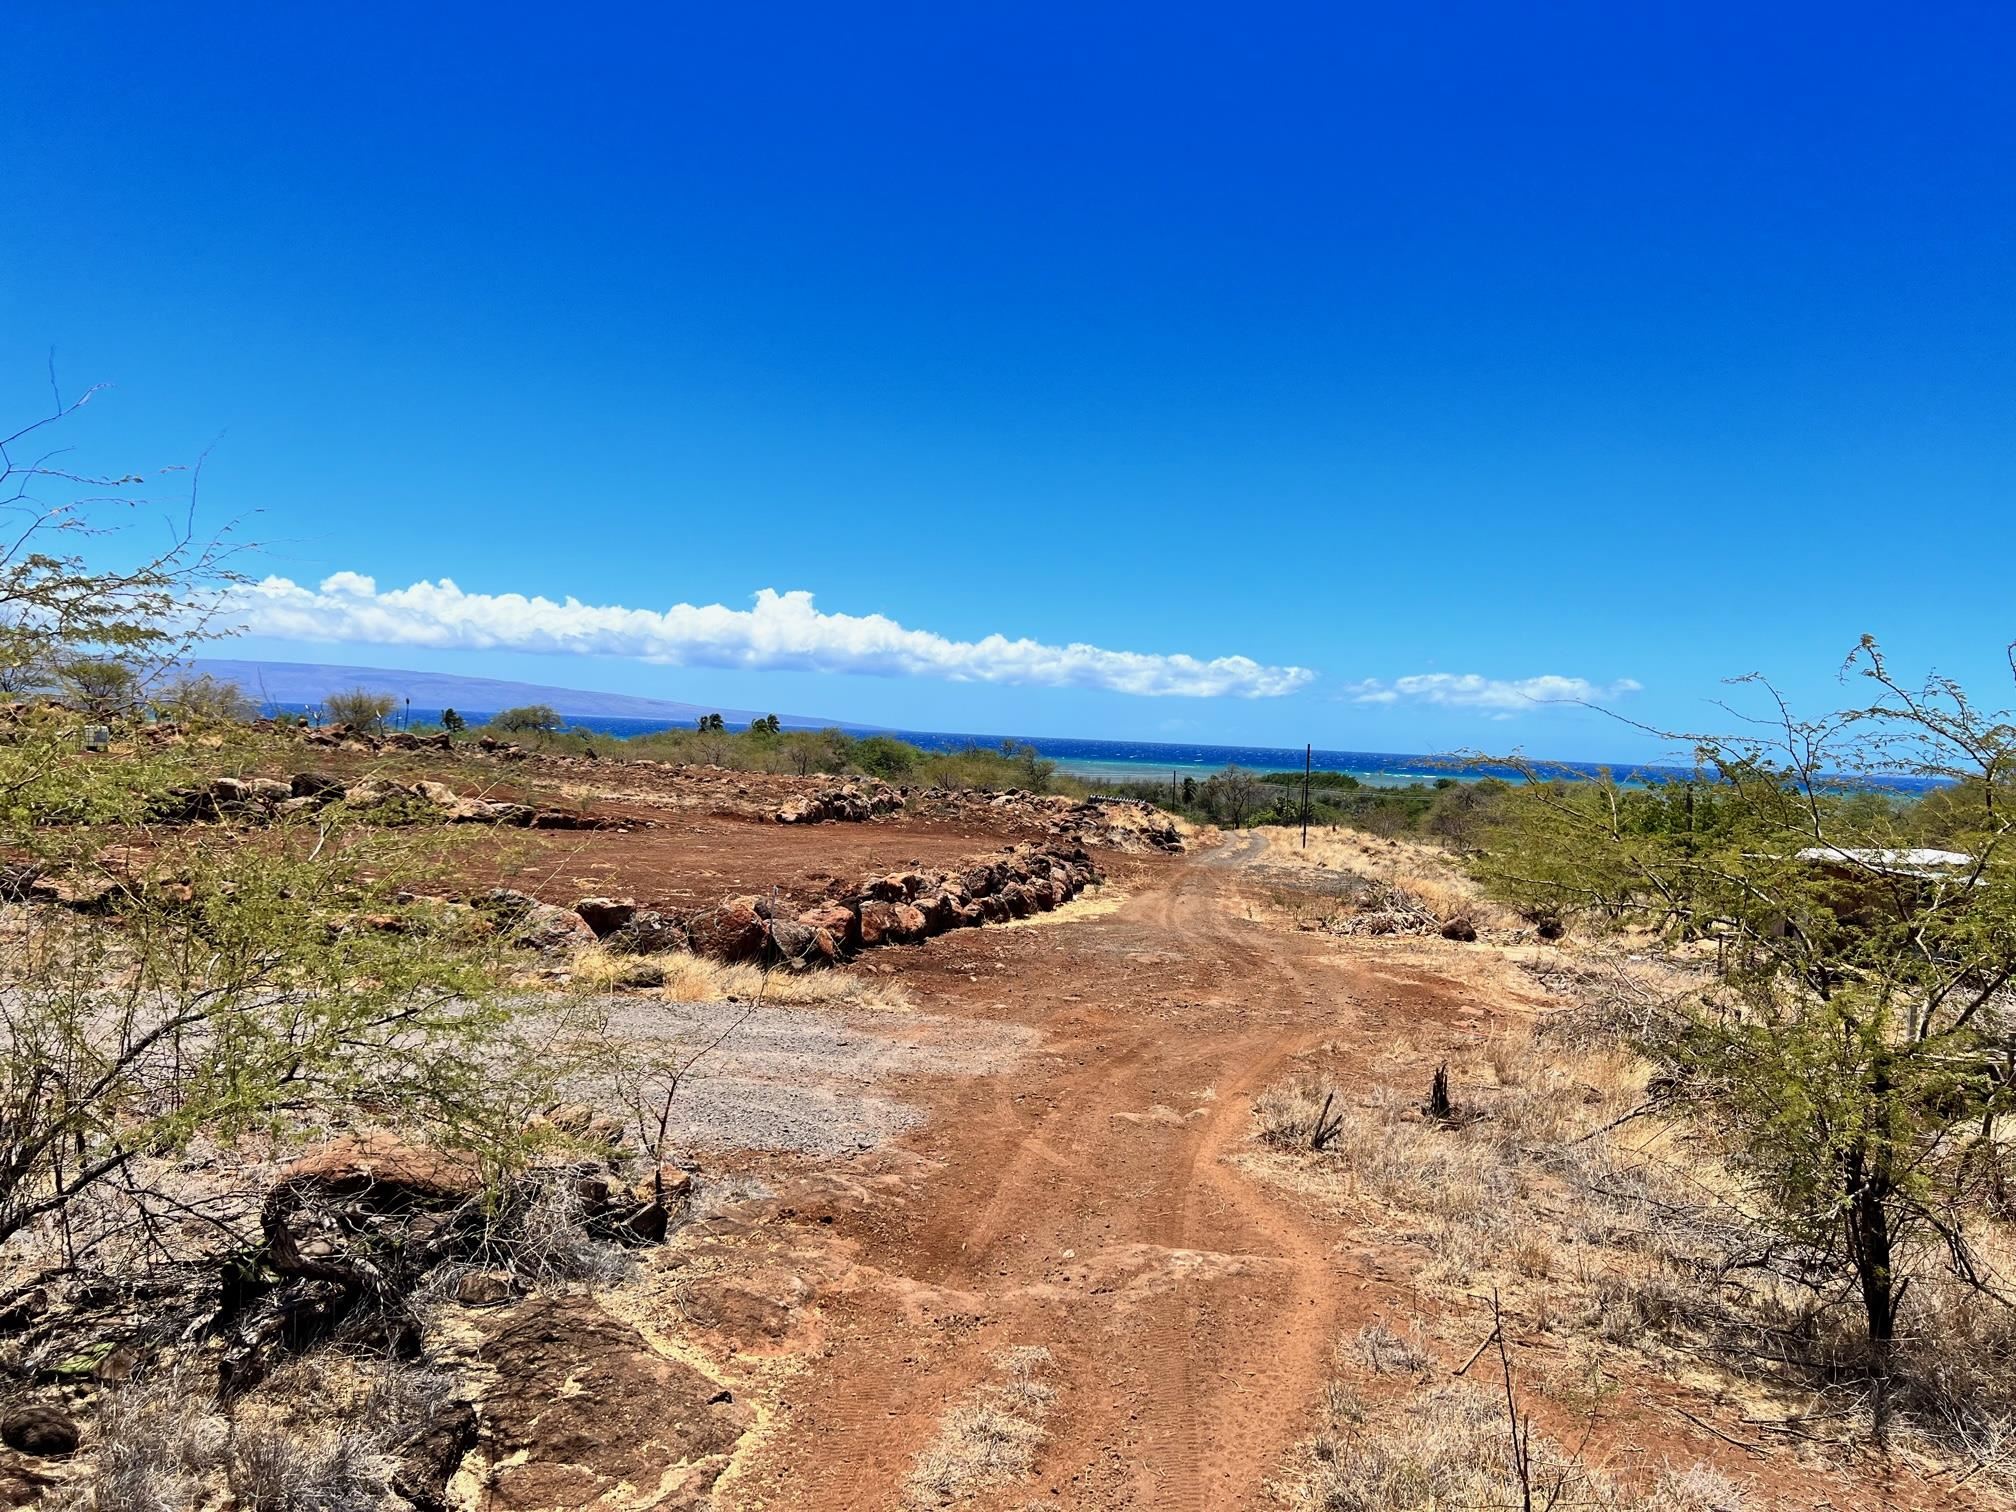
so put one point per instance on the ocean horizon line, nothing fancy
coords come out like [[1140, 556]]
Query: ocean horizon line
[[1150, 761]]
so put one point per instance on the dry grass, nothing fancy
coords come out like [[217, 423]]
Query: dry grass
[[1416, 887], [1520, 1187], [990, 1439], [317, 1436], [1632, 1234], [680, 977], [1383, 1352], [1288, 1111], [153, 1448], [1448, 1446]]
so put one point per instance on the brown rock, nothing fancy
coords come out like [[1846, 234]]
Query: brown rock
[[546, 926], [878, 923], [606, 915], [315, 785], [648, 932], [43, 1432], [428, 1463], [585, 1411], [936, 911], [733, 931], [377, 1158], [838, 920], [485, 1288]]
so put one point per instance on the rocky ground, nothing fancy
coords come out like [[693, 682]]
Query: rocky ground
[[989, 1224]]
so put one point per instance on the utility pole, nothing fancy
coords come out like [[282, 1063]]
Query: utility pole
[[1308, 761]]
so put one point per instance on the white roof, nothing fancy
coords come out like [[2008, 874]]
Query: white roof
[[1915, 861]]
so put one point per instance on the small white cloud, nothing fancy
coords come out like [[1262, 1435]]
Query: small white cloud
[[1502, 696], [781, 630]]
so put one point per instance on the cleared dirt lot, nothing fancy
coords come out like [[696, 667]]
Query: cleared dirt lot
[[1090, 1196]]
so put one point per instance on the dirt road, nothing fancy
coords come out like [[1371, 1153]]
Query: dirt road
[[1082, 1202]]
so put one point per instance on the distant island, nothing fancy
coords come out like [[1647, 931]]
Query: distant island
[[296, 683]]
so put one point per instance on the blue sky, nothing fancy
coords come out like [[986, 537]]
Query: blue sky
[[1399, 345]]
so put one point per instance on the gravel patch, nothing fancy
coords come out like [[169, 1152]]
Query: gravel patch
[[800, 1079]]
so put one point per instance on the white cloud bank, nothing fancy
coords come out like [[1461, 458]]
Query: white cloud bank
[[781, 630], [1497, 695]]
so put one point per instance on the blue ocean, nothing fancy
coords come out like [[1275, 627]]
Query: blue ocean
[[1149, 761]]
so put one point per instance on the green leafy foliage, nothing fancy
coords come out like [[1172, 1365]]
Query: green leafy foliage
[[1855, 1043], [360, 708], [525, 720], [202, 699]]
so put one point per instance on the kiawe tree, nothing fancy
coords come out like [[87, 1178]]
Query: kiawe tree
[[539, 719], [209, 986], [360, 708], [1855, 1047]]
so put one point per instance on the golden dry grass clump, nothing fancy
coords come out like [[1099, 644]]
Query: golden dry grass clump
[[1447, 1445], [680, 977], [990, 1439]]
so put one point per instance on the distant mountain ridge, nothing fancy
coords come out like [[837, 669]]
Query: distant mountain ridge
[[311, 682]]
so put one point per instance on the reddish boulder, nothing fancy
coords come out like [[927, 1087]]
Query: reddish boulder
[[734, 931], [936, 911], [585, 1411], [877, 922], [890, 924], [382, 1161], [837, 919]]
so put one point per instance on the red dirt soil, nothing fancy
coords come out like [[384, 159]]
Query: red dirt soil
[[1084, 1202]]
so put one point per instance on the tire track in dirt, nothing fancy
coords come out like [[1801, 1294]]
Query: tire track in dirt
[[1189, 1317]]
